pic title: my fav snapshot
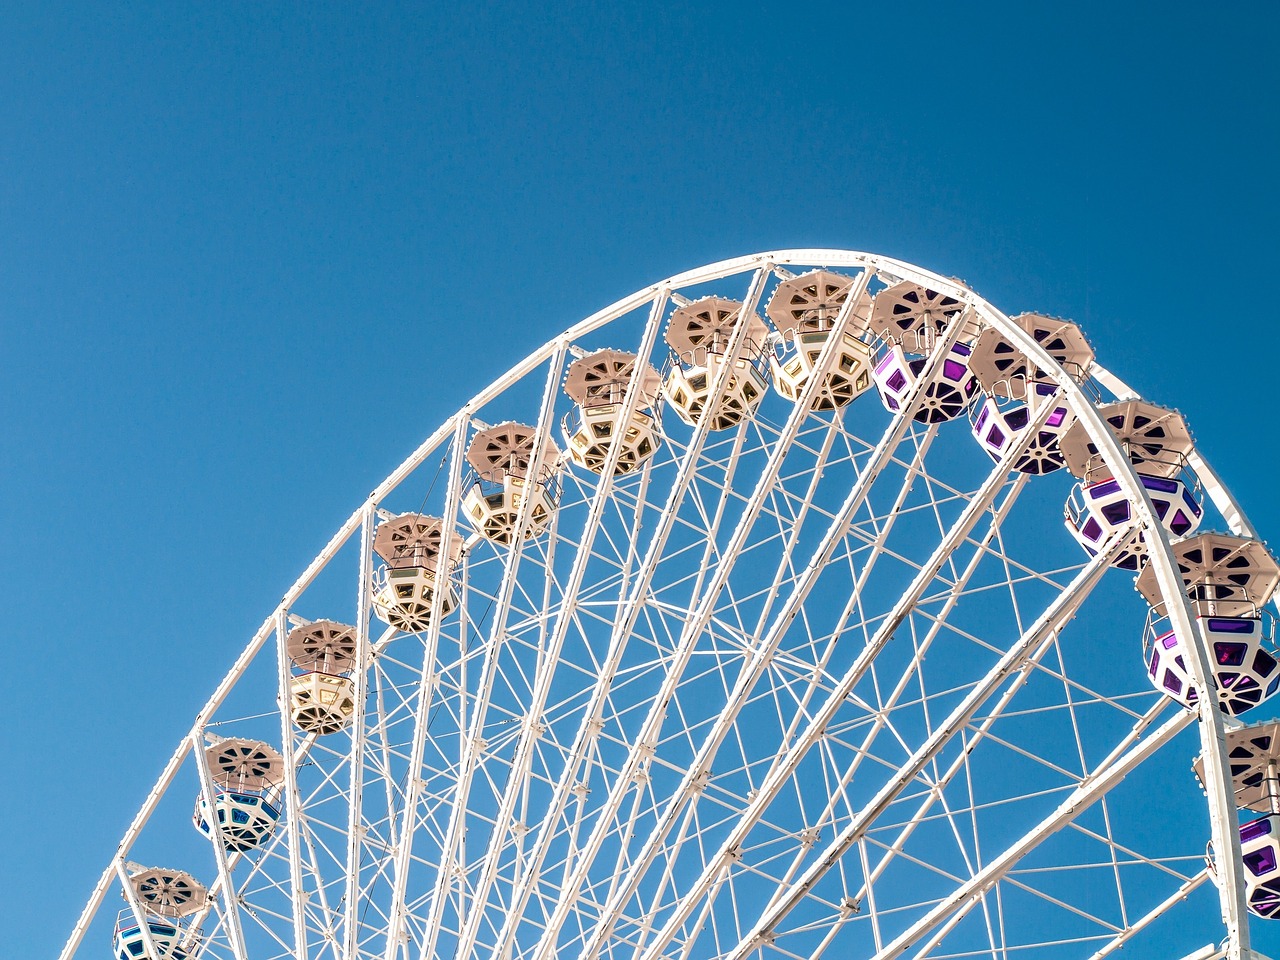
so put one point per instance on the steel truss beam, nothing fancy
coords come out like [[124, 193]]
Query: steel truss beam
[[788, 762], [542, 682], [1108, 773], [297, 834], [1017, 658], [622, 630]]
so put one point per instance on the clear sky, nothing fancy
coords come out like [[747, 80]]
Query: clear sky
[[250, 254]]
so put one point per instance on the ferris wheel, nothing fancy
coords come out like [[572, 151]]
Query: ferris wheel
[[800, 605]]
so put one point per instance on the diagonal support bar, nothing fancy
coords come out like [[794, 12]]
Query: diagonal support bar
[[1109, 773]]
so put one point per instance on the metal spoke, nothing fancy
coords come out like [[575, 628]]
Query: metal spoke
[[813, 675]]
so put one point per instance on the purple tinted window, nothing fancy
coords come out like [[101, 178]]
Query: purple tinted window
[[1263, 664], [1047, 439], [1242, 682], [897, 381], [953, 370], [1230, 653], [1016, 419], [1179, 524], [1257, 828], [884, 364], [1169, 641], [1056, 418], [1116, 512], [961, 349], [982, 419], [1153, 667], [1102, 489], [915, 366], [1231, 625], [1159, 483], [1261, 862], [1190, 501], [891, 403], [1172, 683], [1092, 529], [995, 437], [1046, 389], [1162, 507]]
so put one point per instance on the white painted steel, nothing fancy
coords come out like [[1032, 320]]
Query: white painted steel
[[574, 761], [226, 885], [1079, 800], [293, 810], [626, 621]]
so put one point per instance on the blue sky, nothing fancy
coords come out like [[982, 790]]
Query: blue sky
[[251, 254]]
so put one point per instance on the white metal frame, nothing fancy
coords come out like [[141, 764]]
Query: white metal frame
[[382, 861]]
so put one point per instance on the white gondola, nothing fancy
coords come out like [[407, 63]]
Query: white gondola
[[805, 310], [167, 936], [504, 479], [599, 385], [414, 568], [1017, 391], [321, 697], [1228, 580], [911, 321], [165, 902], [1241, 655], [1157, 441], [699, 335], [998, 425], [245, 820], [1254, 752], [1094, 511], [246, 777], [945, 397]]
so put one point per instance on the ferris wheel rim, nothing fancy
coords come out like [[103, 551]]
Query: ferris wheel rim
[[457, 423]]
